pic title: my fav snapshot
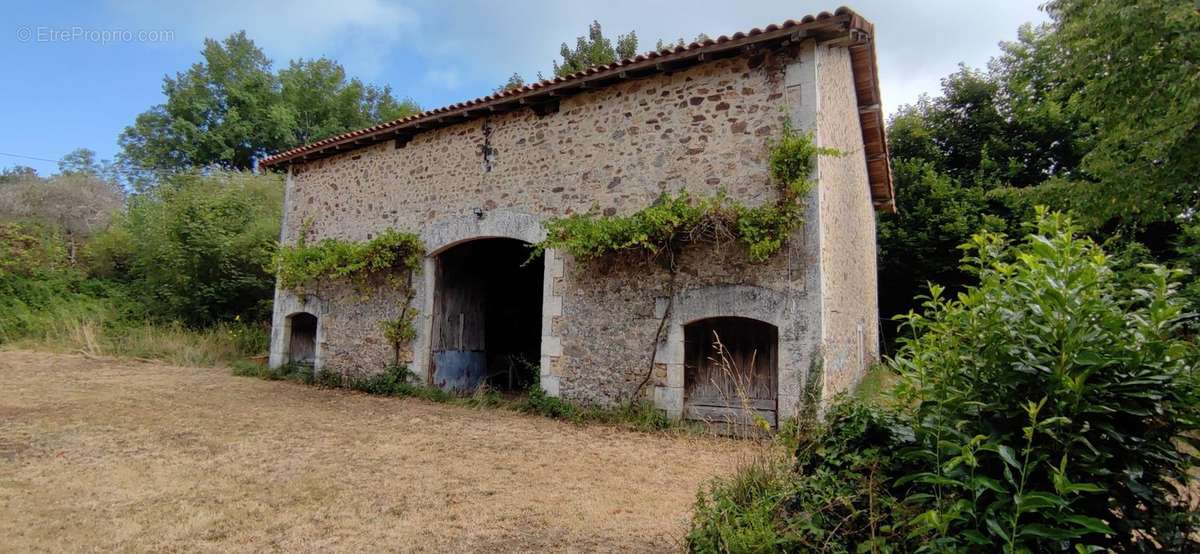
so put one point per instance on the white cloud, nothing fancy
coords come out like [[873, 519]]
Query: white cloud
[[446, 78], [917, 43], [466, 47], [359, 33]]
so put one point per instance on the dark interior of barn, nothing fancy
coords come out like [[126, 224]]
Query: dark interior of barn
[[487, 316]]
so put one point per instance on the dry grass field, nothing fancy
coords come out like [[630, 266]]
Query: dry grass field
[[103, 455]]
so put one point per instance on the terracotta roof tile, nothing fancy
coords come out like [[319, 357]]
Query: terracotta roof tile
[[843, 22]]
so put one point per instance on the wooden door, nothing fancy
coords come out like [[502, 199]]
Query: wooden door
[[730, 371]]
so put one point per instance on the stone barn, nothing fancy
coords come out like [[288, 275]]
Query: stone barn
[[477, 182]]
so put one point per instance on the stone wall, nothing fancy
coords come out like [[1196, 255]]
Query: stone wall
[[850, 324], [614, 150]]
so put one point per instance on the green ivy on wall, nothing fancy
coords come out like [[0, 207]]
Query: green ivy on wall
[[338, 259], [676, 220], [303, 264], [660, 231]]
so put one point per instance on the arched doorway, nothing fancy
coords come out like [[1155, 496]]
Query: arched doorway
[[487, 316], [730, 370], [302, 342]]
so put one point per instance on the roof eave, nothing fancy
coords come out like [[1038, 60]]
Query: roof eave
[[844, 26]]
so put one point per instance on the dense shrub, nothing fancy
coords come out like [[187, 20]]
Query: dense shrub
[[197, 249], [1050, 408], [39, 289], [832, 493], [28, 249], [1048, 400]]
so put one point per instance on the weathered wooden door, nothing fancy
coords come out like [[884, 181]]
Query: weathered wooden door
[[730, 371], [302, 344], [459, 350]]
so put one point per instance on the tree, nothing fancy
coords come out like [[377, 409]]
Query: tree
[[77, 203], [1130, 70], [317, 101], [197, 248], [82, 161], [919, 243], [230, 110], [1096, 112], [983, 133], [594, 49], [679, 43], [515, 81], [959, 161], [16, 174], [217, 112]]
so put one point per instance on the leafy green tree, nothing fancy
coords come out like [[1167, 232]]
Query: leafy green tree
[[217, 112], [919, 243], [1095, 113], [230, 109], [980, 132], [663, 45], [515, 81], [1050, 136], [317, 101], [83, 162], [1130, 69], [197, 249], [957, 159], [594, 49], [80, 160]]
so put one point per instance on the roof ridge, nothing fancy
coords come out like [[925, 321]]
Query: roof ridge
[[849, 29], [539, 85]]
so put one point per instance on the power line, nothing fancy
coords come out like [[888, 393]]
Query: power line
[[27, 157], [128, 172]]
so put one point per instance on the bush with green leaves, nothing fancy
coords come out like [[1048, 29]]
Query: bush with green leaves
[[197, 248], [30, 248], [1051, 407], [834, 492], [1049, 401], [39, 289]]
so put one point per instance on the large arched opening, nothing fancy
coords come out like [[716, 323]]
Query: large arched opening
[[487, 316], [730, 371]]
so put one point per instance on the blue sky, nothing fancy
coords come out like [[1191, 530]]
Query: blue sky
[[77, 73]]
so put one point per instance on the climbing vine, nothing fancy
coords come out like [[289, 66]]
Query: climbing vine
[[677, 220], [304, 264], [660, 231], [400, 331]]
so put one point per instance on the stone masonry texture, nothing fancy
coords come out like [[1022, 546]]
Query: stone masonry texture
[[614, 151]]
